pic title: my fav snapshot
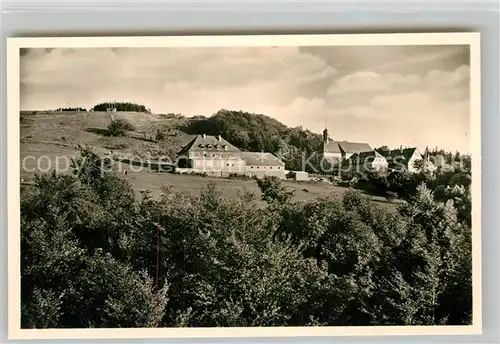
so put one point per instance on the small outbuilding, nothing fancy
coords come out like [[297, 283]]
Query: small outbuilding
[[298, 175]]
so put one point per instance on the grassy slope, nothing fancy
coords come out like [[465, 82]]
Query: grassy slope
[[55, 134]]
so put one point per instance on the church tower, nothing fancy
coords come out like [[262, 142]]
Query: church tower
[[325, 134]]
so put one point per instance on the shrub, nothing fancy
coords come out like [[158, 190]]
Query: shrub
[[118, 127], [273, 190], [160, 135], [374, 182], [238, 176], [391, 195]]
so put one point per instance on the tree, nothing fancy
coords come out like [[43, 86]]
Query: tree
[[118, 127], [160, 135], [273, 191], [121, 106]]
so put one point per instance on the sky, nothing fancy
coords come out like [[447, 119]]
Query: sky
[[414, 96]]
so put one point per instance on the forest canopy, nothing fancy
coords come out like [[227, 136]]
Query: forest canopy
[[90, 249]]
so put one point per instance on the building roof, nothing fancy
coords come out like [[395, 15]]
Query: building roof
[[365, 155], [203, 143], [402, 155], [261, 159], [354, 147], [345, 146], [360, 158], [330, 147]]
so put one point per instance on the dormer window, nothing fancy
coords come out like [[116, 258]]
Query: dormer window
[[209, 146], [224, 147], [202, 145]]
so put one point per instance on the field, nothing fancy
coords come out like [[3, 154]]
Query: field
[[49, 140]]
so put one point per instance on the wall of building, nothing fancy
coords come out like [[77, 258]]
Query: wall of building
[[262, 171], [333, 156], [299, 175], [411, 163], [379, 164], [217, 164], [346, 155]]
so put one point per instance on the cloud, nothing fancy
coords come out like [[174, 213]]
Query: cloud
[[173, 79], [416, 110]]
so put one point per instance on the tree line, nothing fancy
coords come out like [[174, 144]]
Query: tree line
[[95, 255], [121, 106]]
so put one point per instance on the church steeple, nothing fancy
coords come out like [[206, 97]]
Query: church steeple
[[325, 134], [426, 153]]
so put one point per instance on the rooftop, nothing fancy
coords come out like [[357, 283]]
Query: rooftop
[[261, 159], [345, 146], [209, 143]]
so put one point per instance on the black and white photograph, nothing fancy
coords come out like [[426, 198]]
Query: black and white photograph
[[322, 184]]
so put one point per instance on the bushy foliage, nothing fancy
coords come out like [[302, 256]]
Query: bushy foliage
[[445, 184], [95, 255], [120, 106], [375, 183], [160, 135], [273, 191], [118, 127]]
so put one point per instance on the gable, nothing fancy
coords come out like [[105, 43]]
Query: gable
[[404, 155], [204, 143], [362, 156], [330, 147], [354, 147]]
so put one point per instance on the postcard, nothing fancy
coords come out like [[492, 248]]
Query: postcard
[[244, 186]]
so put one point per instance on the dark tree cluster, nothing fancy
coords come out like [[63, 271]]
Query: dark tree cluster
[[121, 106], [95, 255]]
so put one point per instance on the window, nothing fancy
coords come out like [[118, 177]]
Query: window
[[257, 167], [213, 155], [251, 166], [205, 154], [227, 164], [279, 167]]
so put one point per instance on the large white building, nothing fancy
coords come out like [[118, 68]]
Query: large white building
[[215, 156]]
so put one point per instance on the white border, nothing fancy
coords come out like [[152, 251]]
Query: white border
[[13, 175]]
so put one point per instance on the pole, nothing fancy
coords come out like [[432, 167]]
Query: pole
[[157, 254]]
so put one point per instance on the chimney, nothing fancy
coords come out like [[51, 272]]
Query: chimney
[[401, 149], [204, 136], [218, 138]]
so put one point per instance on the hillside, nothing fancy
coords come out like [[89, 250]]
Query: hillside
[[249, 132], [53, 130]]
